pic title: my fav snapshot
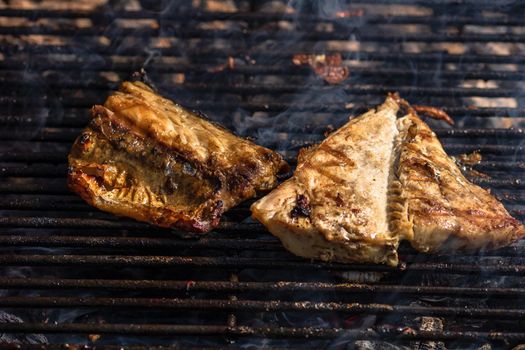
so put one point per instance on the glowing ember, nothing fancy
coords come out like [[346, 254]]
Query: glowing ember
[[230, 64], [349, 13]]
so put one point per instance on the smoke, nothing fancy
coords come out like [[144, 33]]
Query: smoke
[[172, 40]]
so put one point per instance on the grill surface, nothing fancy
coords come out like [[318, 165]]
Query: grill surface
[[80, 276]]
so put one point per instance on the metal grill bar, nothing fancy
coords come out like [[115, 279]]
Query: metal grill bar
[[48, 186], [237, 34], [263, 287], [138, 242], [49, 222], [79, 117], [257, 16], [255, 263], [252, 305], [97, 346], [354, 89], [263, 55], [40, 170], [44, 63], [229, 244], [384, 332]]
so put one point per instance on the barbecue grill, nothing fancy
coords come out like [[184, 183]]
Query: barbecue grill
[[74, 277]]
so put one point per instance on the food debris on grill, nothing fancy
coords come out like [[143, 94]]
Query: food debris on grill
[[429, 324], [230, 64], [379, 180], [329, 67], [434, 112], [349, 13], [466, 162], [94, 337], [145, 157], [473, 158]]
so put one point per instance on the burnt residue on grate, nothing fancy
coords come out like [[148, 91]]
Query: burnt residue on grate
[[72, 276]]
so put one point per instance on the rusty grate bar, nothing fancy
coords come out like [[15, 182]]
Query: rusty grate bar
[[248, 88], [138, 242], [241, 262], [44, 63], [432, 57], [257, 36], [70, 346], [51, 222], [267, 332], [258, 16], [358, 90], [104, 241], [77, 346], [263, 287], [255, 305]]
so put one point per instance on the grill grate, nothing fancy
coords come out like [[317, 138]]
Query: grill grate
[[83, 277]]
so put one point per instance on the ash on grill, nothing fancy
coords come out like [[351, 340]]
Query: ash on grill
[[71, 274]]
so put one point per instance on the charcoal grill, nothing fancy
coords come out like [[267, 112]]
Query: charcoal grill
[[76, 277]]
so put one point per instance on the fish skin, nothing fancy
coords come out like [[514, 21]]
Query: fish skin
[[145, 157]]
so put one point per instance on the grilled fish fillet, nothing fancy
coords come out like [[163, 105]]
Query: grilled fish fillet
[[334, 206], [145, 157], [435, 207], [374, 182]]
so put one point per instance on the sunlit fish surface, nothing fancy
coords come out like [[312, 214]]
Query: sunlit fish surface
[[379, 180], [145, 157]]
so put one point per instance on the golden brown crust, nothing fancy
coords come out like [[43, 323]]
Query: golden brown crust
[[420, 196], [449, 213], [144, 157], [344, 180]]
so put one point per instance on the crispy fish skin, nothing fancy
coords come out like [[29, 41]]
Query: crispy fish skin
[[145, 157], [345, 182], [376, 181]]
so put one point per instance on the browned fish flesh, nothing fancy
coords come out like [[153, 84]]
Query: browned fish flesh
[[147, 158], [376, 181]]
